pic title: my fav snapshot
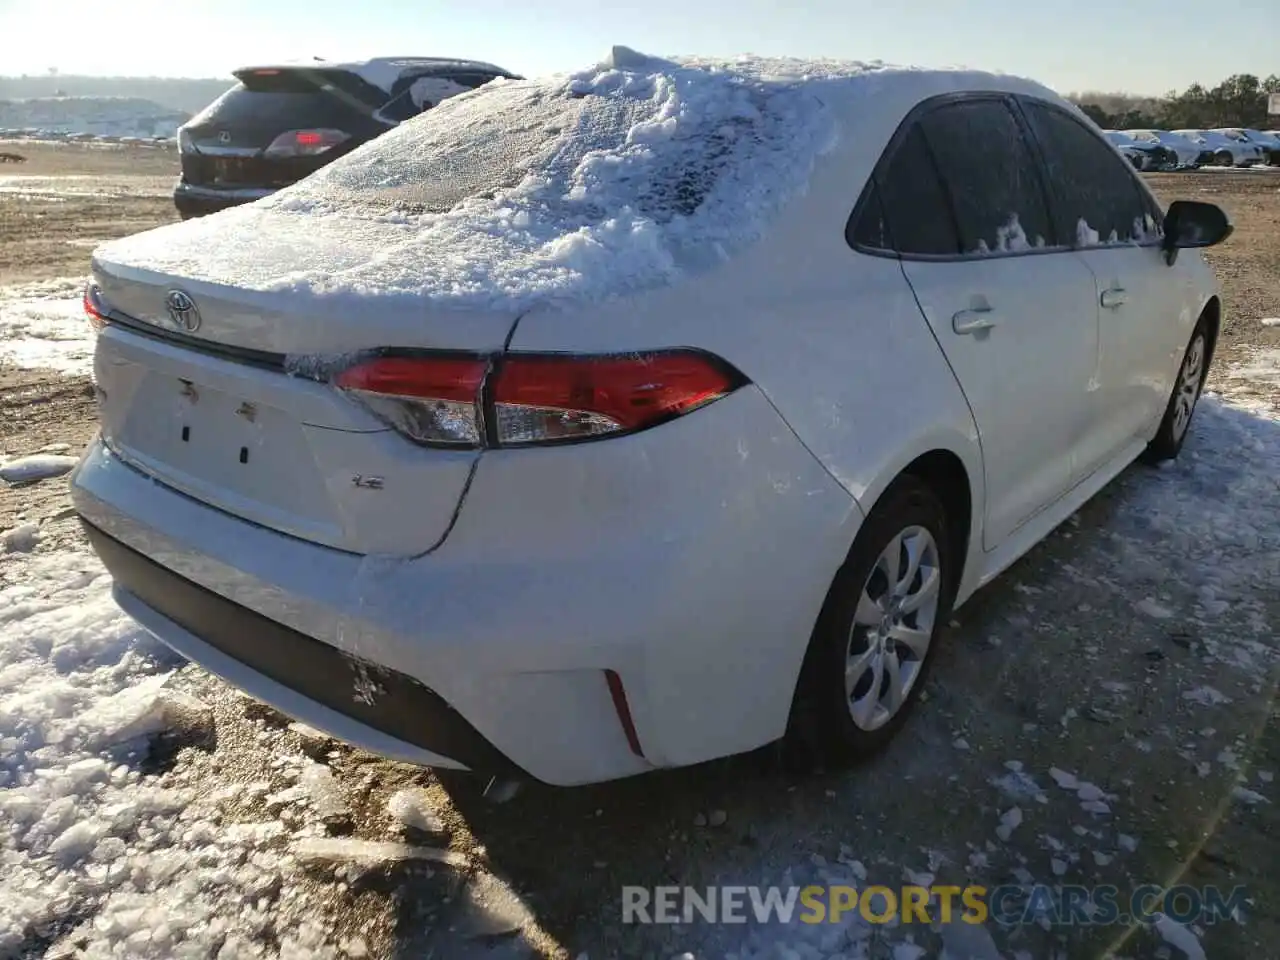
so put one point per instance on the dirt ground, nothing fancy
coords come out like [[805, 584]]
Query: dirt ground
[[68, 197], [1054, 664]]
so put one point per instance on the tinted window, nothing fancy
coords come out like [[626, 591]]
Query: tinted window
[[1096, 196], [990, 174], [908, 210], [402, 105], [263, 105]]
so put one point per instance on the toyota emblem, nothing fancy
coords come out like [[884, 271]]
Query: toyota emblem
[[182, 310]]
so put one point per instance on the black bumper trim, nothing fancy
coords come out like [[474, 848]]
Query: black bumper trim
[[385, 700]]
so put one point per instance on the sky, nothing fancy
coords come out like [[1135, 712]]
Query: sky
[[1140, 46]]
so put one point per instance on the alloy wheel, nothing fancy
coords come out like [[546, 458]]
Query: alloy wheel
[[1188, 389], [892, 627]]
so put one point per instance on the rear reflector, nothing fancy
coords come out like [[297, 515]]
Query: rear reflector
[[535, 398], [619, 695]]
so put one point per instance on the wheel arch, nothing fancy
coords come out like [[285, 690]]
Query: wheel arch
[[1211, 312], [954, 473]]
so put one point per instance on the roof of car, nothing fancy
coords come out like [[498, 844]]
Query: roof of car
[[383, 72]]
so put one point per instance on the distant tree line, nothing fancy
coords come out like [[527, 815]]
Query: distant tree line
[[1238, 101]]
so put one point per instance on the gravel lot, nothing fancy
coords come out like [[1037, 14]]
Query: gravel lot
[[1135, 649]]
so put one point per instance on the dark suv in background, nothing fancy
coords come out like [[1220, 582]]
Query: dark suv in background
[[279, 124]]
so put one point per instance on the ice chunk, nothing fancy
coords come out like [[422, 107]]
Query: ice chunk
[[1089, 791], [142, 710], [1178, 936], [1067, 781], [38, 466], [323, 791], [1009, 821], [967, 941], [490, 908], [1250, 798], [1153, 609], [1206, 696], [413, 808], [370, 852], [20, 539]]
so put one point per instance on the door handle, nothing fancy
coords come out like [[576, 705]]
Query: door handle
[[973, 321], [1114, 297]]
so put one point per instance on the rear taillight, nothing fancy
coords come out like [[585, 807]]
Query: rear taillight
[[95, 308], [541, 399], [305, 143], [428, 399], [522, 399]]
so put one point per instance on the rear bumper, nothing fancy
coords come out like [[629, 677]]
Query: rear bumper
[[690, 560], [196, 201], [254, 651]]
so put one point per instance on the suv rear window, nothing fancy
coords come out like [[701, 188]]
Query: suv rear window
[[294, 99], [478, 144]]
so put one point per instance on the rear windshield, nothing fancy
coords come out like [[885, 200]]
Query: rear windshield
[[291, 99], [576, 151]]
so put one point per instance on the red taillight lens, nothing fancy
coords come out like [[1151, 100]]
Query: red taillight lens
[[535, 398], [428, 399], [541, 399], [305, 143], [94, 308]]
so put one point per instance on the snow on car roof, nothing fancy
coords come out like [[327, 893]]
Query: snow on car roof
[[383, 72], [576, 187]]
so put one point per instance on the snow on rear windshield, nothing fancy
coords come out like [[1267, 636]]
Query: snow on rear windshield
[[579, 151], [623, 177]]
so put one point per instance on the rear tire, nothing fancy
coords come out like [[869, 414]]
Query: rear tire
[[1224, 159], [890, 601], [1176, 423]]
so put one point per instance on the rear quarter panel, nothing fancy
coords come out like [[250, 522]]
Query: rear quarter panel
[[832, 337]]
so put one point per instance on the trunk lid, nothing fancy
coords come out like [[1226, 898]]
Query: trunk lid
[[221, 407]]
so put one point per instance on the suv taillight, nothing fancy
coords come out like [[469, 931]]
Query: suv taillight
[[95, 308], [520, 399], [305, 143]]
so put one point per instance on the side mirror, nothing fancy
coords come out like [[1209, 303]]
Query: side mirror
[[1190, 223]]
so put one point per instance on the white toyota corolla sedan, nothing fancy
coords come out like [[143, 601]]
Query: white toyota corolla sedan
[[623, 420]]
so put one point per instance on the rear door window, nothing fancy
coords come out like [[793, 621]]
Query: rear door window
[[990, 175], [1097, 196], [907, 210]]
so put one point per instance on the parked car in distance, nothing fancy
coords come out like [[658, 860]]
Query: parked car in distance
[[620, 421], [279, 124], [1187, 155], [1143, 155], [1269, 143], [1227, 151]]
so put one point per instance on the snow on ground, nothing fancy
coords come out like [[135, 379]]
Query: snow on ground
[[95, 850], [1262, 367], [43, 325], [101, 116], [59, 189]]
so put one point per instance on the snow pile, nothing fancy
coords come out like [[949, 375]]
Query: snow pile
[[43, 325], [582, 187], [96, 116], [94, 851]]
